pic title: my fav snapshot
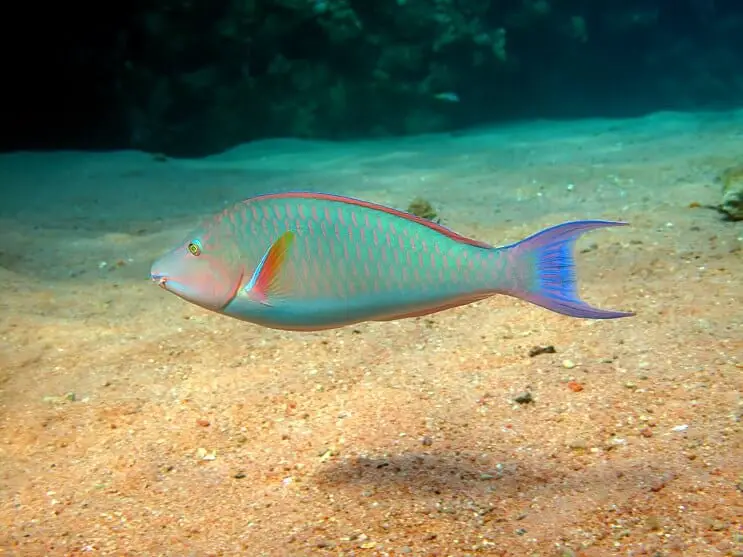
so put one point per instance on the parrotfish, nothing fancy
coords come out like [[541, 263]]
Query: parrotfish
[[311, 261]]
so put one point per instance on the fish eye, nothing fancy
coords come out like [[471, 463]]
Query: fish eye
[[195, 248]]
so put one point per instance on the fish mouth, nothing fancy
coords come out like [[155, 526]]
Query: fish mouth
[[215, 301]]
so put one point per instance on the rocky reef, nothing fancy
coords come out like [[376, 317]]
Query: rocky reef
[[189, 77]]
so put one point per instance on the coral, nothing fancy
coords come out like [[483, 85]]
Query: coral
[[732, 192], [197, 77], [578, 28], [422, 208], [339, 20]]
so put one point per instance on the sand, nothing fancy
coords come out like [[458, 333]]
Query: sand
[[133, 423]]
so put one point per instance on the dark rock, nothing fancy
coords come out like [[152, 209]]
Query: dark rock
[[523, 398]]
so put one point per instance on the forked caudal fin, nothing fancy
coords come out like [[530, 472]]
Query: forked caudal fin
[[549, 276]]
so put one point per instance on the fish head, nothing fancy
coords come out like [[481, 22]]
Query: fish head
[[205, 269]]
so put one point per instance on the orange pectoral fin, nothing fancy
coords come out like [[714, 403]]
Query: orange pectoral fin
[[264, 283]]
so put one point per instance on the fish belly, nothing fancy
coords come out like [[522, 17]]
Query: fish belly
[[313, 315]]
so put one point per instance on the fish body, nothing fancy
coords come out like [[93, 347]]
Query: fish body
[[309, 261]]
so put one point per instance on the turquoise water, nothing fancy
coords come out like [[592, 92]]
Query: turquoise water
[[146, 425]]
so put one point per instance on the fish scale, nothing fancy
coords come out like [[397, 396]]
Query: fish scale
[[306, 261], [369, 256]]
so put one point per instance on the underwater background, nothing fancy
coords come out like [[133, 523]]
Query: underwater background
[[134, 423], [187, 77]]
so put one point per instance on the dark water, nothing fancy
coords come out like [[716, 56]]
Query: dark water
[[199, 77]]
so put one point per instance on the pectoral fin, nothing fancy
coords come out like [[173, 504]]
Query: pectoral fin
[[264, 284]]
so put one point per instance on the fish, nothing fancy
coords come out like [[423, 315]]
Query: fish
[[305, 261], [448, 96]]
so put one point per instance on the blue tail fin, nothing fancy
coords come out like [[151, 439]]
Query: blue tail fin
[[547, 277]]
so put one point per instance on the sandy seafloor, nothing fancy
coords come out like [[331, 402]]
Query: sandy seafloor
[[192, 434]]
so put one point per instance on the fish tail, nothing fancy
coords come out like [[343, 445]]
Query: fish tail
[[547, 273]]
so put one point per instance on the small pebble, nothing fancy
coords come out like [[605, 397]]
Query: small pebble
[[662, 482], [653, 523], [538, 350], [718, 525], [203, 454], [202, 422], [523, 398], [426, 441], [568, 364]]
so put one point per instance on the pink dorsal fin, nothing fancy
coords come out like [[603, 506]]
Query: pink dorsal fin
[[374, 207]]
